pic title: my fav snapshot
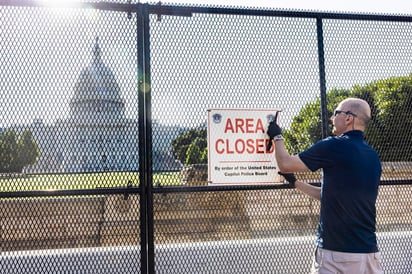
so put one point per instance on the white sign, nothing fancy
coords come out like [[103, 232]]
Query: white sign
[[237, 142]]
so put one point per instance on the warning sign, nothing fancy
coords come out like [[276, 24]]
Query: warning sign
[[237, 142]]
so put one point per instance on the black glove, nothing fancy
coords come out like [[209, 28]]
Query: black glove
[[289, 177], [273, 130]]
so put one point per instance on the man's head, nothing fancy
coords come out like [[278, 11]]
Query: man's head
[[351, 114]]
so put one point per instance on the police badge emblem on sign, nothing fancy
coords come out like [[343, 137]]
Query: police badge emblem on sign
[[237, 143]]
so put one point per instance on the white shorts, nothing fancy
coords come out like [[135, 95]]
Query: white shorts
[[328, 262]]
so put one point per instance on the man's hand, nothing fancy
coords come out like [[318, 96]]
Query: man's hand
[[273, 130], [289, 177]]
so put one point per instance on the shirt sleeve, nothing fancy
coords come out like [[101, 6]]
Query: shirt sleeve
[[319, 155]]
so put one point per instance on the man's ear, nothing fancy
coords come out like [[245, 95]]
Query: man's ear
[[347, 120]]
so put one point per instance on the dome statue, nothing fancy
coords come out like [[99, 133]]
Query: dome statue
[[96, 93]]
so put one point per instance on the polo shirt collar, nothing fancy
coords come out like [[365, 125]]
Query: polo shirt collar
[[353, 133]]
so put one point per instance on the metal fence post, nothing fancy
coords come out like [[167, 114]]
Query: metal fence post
[[322, 77], [145, 141]]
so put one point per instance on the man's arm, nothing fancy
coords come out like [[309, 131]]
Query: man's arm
[[292, 163], [288, 163], [312, 191]]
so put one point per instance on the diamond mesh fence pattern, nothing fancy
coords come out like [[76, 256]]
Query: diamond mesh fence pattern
[[104, 133], [69, 79], [235, 61], [68, 123]]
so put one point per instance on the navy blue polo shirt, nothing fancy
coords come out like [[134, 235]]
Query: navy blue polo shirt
[[351, 175]]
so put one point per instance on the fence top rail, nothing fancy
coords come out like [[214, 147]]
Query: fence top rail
[[71, 192], [182, 10]]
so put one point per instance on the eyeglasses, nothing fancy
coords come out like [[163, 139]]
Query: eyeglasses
[[336, 112]]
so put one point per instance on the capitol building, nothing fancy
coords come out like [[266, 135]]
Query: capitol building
[[97, 136]]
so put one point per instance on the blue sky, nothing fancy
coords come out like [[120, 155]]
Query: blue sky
[[62, 42], [358, 6], [361, 6]]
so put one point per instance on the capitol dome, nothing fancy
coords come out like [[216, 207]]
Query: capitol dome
[[96, 92]]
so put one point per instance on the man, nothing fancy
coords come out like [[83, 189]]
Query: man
[[346, 239]]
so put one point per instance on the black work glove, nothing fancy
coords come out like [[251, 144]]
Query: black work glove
[[273, 130], [289, 177]]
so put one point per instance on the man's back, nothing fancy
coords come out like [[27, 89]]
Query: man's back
[[351, 174]]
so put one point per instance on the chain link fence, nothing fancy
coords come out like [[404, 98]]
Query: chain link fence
[[102, 100]]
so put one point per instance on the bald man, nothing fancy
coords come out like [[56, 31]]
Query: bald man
[[351, 169]]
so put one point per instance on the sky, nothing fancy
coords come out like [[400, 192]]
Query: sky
[[397, 7], [364, 59], [62, 42]]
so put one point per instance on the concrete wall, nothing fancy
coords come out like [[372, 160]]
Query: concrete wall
[[46, 223]]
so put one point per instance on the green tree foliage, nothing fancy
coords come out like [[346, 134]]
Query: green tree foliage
[[17, 151], [194, 152], [28, 150], [189, 147], [393, 99], [203, 157], [306, 128], [8, 150], [389, 131]]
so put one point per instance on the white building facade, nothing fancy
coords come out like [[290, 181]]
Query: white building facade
[[97, 136]]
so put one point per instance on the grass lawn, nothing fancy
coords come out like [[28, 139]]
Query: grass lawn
[[25, 182]]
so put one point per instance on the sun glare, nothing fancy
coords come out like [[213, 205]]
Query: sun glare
[[59, 3], [68, 8]]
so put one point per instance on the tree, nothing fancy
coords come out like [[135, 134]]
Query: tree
[[389, 131], [393, 97], [16, 152], [8, 150], [306, 128], [194, 153], [203, 156], [27, 151], [189, 147]]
